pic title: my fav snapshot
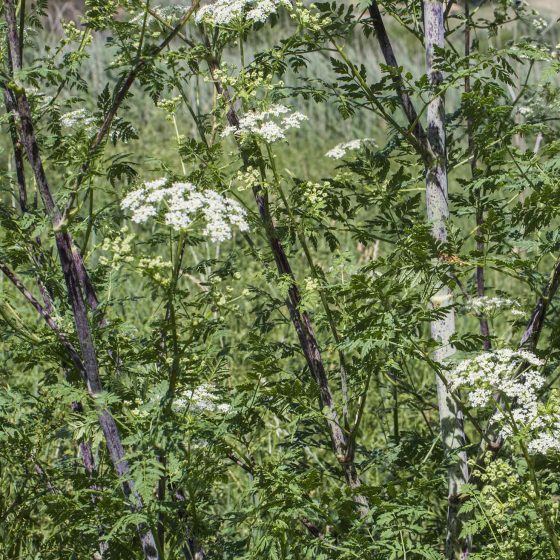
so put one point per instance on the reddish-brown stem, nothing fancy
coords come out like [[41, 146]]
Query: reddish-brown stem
[[71, 277], [308, 342]]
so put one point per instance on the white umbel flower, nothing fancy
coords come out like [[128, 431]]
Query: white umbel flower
[[492, 305], [169, 14], [224, 12], [490, 373], [78, 119], [270, 125], [180, 203], [201, 399], [339, 151], [546, 442]]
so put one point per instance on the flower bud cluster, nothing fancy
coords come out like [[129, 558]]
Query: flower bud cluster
[[247, 84], [248, 179], [308, 17], [316, 193], [120, 249], [156, 268], [170, 105]]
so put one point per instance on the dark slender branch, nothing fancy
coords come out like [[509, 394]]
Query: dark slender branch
[[492, 440], [71, 276], [449, 6], [340, 442], [73, 354], [85, 447], [40, 471], [21, 26], [46, 313], [37, 257], [532, 333], [391, 60]]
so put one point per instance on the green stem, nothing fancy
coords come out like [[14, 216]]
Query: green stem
[[378, 106], [90, 223], [143, 31], [21, 26]]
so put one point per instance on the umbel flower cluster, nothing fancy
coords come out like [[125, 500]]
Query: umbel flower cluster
[[513, 375], [270, 125], [169, 14], [339, 151], [492, 305], [224, 12], [80, 118], [181, 204], [201, 399]]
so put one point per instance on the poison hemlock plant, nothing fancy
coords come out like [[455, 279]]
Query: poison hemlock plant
[[279, 281]]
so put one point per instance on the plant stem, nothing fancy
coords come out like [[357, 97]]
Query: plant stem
[[480, 245], [537, 499], [310, 261], [451, 417]]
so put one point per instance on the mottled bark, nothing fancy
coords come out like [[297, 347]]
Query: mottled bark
[[37, 257], [437, 205], [301, 321], [69, 269], [18, 155]]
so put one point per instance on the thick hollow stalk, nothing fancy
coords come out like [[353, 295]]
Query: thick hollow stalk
[[71, 277], [437, 206], [301, 321]]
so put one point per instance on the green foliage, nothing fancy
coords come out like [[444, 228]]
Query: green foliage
[[206, 364]]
